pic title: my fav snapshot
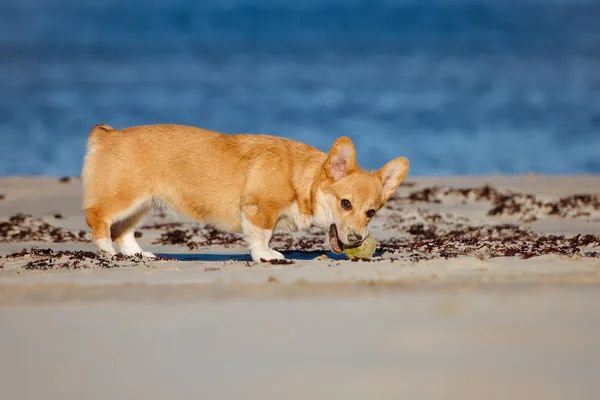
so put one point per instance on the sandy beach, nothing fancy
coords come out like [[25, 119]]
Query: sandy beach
[[482, 287]]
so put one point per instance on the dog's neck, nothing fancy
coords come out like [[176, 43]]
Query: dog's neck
[[308, 174]]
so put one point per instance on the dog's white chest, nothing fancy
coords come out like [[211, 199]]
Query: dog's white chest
[[291, 220]]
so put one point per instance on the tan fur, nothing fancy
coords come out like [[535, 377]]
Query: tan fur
[[241, 182]]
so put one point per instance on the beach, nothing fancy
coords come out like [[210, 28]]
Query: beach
[[482, 286], [486, 279]]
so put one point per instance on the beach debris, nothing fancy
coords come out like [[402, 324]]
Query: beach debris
[[2, 197], [64, 179], [174, 236], [48, 259], [423, 244], [209, 236], [278, 262], [488, 241], [195, 237], [307, 242], [526, 207], [365, 259], [24, 228], [421, 220]]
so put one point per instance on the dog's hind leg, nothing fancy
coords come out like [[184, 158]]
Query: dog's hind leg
[[123, 232], [100, 223], [117, 223]]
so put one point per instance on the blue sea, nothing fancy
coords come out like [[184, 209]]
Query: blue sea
[[457, 86]]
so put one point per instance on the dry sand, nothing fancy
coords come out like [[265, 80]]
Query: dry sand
[[456, 304]]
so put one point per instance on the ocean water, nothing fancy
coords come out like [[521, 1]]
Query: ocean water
[[457, 86]]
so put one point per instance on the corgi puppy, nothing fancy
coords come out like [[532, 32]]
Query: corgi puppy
[[253, 184]]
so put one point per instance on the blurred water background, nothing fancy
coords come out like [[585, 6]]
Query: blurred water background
[[457, 86]]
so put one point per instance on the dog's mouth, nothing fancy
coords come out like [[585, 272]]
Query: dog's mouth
[[335, 243]]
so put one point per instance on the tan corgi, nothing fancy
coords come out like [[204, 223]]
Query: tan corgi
[[254, 184]]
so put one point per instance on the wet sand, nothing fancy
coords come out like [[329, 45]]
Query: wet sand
[[475, 291]]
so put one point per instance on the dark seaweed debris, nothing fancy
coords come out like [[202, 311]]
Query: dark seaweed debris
[[175, 236], [48, 259], [278, 262], [434, 194], [303, 243], [423, 220], [526, 207], [357, 259], [22, 228], [205, 237], [214, 237], [426, 195], [2, 197], [64, 179], [505, 240]]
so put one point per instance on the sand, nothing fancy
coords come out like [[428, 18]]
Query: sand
[[476, 291]]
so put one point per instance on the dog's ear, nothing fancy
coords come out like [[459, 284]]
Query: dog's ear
[[392, 174], [341, 159]]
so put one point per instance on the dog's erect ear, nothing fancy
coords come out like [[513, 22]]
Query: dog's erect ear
[[341, 159], [392, 174]]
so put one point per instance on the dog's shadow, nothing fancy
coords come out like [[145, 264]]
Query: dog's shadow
[[289, 255]]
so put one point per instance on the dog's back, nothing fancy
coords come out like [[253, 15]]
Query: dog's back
[[199, 173]]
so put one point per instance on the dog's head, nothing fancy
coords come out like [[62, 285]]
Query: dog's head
[[347, 197]]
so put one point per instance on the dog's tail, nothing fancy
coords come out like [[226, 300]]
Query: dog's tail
[[88, 164], [98, 129]]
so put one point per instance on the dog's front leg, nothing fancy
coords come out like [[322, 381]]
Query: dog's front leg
[[258, 231]]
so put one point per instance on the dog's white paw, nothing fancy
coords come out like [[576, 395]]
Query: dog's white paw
[[267, 255], [106, 254], [277, 255], [147, 254], [105, 248]]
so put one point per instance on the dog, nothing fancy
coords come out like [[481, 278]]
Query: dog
[[248, 183]]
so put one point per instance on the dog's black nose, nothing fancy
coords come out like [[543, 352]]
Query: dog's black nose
[[353, 237]]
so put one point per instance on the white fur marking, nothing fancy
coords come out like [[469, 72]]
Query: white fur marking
[[324, 214], [258, 241], [104, 245], [130, 247], [291, 219]]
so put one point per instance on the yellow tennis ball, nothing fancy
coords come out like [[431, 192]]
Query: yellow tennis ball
[[365, 250]]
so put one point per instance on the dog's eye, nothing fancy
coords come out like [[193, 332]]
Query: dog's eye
[[346, 205], [370, 213]]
